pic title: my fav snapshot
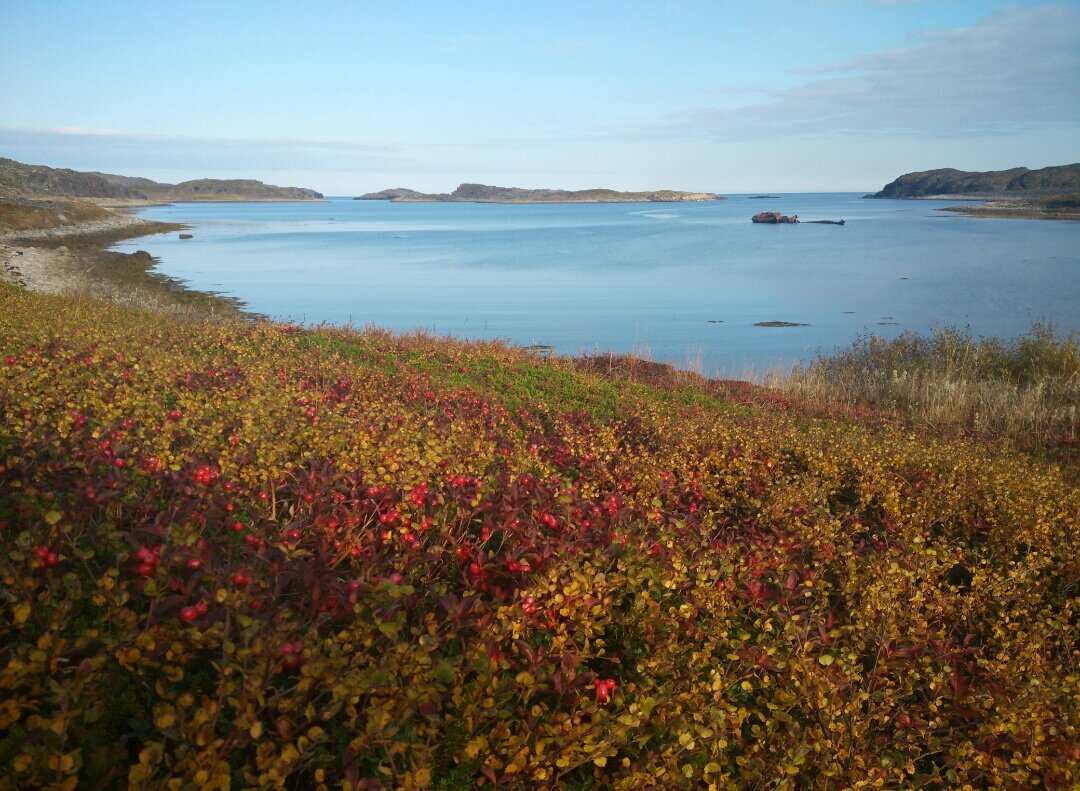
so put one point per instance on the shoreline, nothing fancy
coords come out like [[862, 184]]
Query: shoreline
[[74, 260], [1013, 211]]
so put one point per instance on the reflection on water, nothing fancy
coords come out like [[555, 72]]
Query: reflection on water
[[684, 282]]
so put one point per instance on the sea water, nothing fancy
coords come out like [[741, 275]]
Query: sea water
[[684, 283]]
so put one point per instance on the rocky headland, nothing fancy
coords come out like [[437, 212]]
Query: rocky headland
[[948, 183], [1051, 193], [482, 193]]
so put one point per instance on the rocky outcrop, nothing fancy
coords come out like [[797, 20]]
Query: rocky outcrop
[[774, 218], [1016, 182]]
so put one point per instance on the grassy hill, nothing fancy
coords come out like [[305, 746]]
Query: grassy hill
[[249, 554], [15, 177], [18, 179]]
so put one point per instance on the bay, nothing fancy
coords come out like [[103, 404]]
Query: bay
[[683, 283]]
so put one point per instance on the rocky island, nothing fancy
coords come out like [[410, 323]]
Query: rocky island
[[482, 193], [1048, 193]]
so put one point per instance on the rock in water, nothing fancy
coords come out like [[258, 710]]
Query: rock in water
[[774, 218]]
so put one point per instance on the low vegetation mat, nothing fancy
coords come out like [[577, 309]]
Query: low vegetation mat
[[253, 555]]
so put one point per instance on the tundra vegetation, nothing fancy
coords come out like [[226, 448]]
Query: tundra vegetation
[[248, 554]]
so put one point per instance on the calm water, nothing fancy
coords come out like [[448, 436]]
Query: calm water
[[683, 283]]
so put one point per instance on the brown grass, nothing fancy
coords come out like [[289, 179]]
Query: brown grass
[[27, 215], [1026, 391]]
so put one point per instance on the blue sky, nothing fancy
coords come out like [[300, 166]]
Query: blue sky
[[347, 97]]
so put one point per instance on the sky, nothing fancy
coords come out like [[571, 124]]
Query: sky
[[351, 97]]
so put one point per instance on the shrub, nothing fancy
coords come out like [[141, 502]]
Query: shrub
[[260, 556]]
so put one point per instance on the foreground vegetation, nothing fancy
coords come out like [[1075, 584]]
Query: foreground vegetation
[[249, 555]]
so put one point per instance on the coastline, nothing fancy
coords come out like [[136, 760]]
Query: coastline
[[74, 260], [535, 201], [1018, 211]]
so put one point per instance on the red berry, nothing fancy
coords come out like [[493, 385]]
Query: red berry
[[201, 607], [188, 614]]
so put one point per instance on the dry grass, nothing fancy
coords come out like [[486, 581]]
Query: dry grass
[[32, 215], [1026, 390]]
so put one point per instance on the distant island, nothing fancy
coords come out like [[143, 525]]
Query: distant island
[[18, 179], [1051, 193], [482, 193]]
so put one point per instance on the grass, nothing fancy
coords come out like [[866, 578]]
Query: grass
[[1069, 201], [27, 215], [1026, 390]]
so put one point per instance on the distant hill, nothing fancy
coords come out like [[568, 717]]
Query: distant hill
[[1016, 182], [482, 193], [41, 180], [394, 193], [228, 188]]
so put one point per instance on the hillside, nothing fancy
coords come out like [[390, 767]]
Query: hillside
[[1017, 182], [482, 193], [17, 178], [217, 189], [249, 554], [38, 180]]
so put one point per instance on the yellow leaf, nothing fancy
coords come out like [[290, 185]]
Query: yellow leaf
[[22, 763], [256, 730], [52, 517], [826, 659], [600, 760], [165, 720], [22, 612]]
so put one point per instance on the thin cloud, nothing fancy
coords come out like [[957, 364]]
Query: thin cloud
[[1012, 70], [143, 138], [159, 155]]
